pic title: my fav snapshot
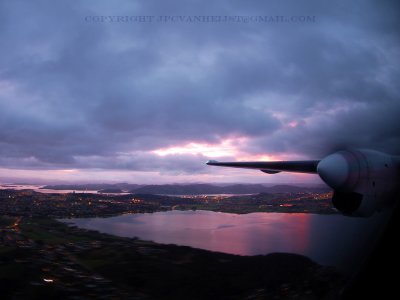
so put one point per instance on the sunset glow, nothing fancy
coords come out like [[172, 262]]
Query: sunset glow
[[293, 124], [225, 148], [69, 171]]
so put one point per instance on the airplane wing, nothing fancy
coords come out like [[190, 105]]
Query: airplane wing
[[363, 181], [272, 167]]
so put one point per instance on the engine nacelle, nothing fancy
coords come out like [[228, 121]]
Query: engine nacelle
[[364, 181]]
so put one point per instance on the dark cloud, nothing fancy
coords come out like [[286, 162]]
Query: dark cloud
[[78, 94]]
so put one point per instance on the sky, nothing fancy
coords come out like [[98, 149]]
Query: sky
[[147, 91]]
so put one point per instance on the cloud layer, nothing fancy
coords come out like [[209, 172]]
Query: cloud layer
[[79, 94]]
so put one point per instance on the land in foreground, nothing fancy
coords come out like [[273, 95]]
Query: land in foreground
[[43, 258]]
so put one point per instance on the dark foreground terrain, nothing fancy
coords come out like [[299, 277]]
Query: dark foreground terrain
[[41, 258]]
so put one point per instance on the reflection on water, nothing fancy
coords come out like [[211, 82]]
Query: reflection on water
[[327, 239]]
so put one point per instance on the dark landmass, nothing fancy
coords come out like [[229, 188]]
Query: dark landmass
[[198, 189], [209, 189], [193, 189], [284, 188], [29, 203], [41, 258], [111, 191], [45, 259]]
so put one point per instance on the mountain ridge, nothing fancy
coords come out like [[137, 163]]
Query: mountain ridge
[[192, 189]]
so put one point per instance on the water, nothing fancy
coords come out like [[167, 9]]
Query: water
[[40, 189], [333, 240]]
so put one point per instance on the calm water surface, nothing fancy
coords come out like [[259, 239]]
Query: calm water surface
[[327, 239], [40, 189]]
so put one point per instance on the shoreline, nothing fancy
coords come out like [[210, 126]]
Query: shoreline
[[99, 264]]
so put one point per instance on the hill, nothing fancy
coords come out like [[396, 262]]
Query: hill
[[190, 189], [209, 189]]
